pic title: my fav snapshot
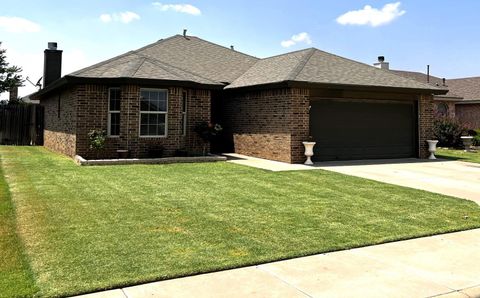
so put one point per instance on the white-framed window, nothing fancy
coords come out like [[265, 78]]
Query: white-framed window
[[184, 112], [113, 112], [153, 112]]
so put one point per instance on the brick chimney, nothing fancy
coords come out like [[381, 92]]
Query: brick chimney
[[52, 64], [381, 63], [13, 93]]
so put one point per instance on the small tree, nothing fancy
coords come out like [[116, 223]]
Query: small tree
[[9, 75], [207, 132]]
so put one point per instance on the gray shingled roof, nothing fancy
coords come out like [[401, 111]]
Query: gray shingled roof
[[135, 65], [469, 88], [432, 80], [183, 58], [315, 66]]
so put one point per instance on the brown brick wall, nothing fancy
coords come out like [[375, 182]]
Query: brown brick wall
[[93, 114], [425, 123], [469, 114], [268, 124], [85, 107], [60, 122]]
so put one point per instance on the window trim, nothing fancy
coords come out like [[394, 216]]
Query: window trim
[[184, 113], [152, 112], [112, 112]]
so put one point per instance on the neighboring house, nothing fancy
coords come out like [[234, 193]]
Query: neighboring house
[[462, 100], [467, 110], [156, 95]]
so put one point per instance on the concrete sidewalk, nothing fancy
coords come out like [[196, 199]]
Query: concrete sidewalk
[[444, 266]]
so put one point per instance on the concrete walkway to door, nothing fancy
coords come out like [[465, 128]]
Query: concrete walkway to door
[[448, 177]]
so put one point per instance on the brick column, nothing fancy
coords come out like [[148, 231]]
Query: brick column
[[425, 123], [299, 122]]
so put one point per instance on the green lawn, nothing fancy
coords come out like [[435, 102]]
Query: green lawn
[[458, 154], [16, 279], [91, 228]]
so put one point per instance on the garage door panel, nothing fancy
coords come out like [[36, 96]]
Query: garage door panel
[[356, 129]]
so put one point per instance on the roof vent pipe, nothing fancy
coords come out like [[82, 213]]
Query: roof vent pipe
[[428, 73], [185, 32], [381, 59], [443, 82], [231, 47]]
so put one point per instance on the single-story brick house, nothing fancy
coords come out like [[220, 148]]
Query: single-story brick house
[[154, 96]]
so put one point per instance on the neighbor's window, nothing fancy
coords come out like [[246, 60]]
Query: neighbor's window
[[184, 113], [114, 112], [442, 109], [153, 112]]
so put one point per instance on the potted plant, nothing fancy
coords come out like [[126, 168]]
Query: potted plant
[[97, 140], [207, 132], [309, 144]]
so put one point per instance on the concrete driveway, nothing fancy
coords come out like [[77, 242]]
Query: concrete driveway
[[454, 178]]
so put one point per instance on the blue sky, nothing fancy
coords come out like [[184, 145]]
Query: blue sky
[[410, 33]]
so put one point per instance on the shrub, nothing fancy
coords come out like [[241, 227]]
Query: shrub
[[97, 139], [448, 131], [475, 133]]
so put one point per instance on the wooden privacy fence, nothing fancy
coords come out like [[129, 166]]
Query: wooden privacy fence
[[21, 124]]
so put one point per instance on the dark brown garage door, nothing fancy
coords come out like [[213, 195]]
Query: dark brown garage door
[[361, 129]]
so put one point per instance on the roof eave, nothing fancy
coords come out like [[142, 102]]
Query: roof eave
[[366, 87], [72, 80], [306, 84]]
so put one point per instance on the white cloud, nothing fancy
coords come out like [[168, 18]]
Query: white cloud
[[183, 8], [297, 38], [372, 16], [18, 25], [123, 17]]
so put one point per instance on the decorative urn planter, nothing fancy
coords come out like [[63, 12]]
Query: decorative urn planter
[[432, 148], [309, 152], [467, 142]]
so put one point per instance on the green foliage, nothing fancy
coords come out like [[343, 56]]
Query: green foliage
[[448, 131], [97, 139], [92, 228], [208, 131], [9, 75], [476, 136]]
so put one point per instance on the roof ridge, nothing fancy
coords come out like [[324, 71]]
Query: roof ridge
[[163, 64], [466, 78], [216, 44], [297, 69], [138, 67], [100, 63], [288, 53]]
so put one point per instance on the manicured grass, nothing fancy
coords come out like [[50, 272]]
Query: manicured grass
[[91, 228], [458, 154], [16, 279]]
